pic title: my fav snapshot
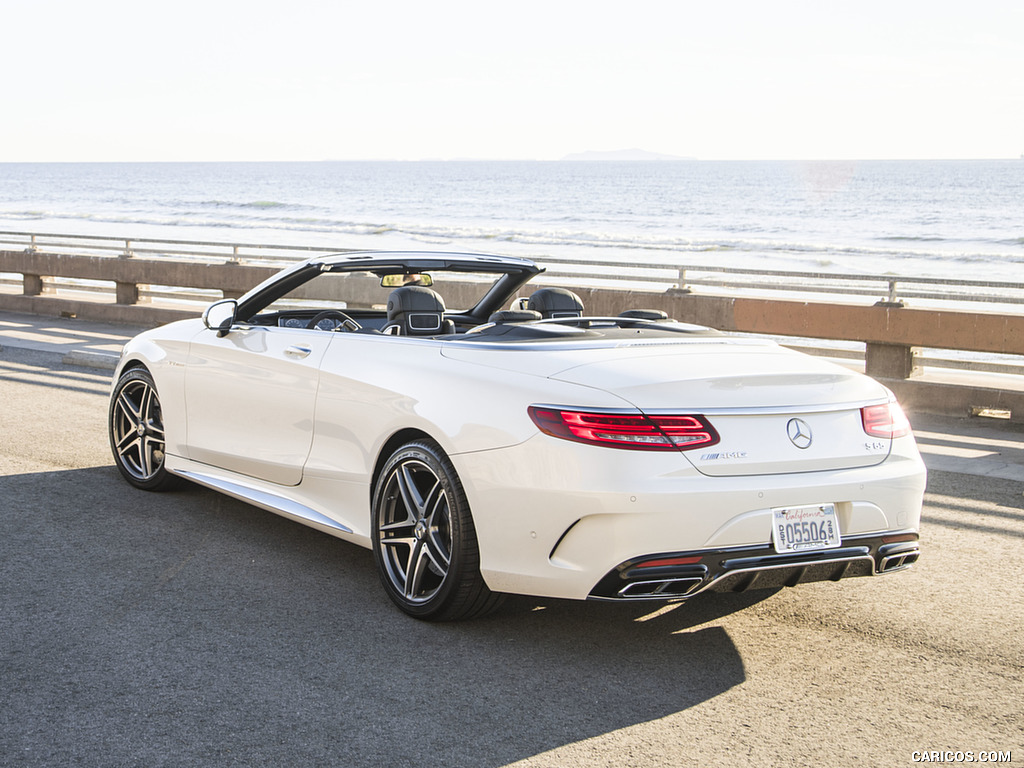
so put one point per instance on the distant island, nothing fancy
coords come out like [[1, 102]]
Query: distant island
[[630, 155]]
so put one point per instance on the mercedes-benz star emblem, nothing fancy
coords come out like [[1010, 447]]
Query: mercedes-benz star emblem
[[799, 432]]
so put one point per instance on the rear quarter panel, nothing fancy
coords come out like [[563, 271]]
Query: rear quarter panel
[[372, 387]]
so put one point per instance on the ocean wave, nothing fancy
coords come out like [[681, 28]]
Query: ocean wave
[[659, 247], [254, 204], [913, 239]]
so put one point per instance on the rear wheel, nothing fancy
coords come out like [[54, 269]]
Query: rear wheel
[[425, 543], [136, 429]]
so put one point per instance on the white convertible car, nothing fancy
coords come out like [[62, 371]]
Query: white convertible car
[[516, 445]]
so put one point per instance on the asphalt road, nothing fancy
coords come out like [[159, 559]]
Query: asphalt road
[[188, 629]]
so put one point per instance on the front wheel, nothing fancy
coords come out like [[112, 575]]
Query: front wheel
[[136, 428], [425, 543]]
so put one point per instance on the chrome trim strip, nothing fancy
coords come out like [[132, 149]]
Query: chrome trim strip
[[791, 410], [264, 499]]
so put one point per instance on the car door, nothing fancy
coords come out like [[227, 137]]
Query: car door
[[250, 398]]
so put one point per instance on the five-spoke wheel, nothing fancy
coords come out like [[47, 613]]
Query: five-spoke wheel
[[137, 431], [424, 540]]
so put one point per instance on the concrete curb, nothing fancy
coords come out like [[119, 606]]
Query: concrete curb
[[77, 357], [90, 359]]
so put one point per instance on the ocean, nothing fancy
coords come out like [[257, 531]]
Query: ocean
[[945, 219]]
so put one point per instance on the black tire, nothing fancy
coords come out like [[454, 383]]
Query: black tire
[[425, 543], [136, 428]]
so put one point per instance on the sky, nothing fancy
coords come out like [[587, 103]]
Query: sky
[[120, 80]]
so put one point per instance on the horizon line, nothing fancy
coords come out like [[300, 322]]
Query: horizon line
[[589, 161]]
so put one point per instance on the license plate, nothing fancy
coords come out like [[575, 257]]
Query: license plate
[[803, 529]]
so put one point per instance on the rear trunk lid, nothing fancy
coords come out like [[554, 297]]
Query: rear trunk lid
[[776, 411]]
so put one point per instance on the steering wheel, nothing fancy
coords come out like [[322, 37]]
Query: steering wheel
[[345, 321]]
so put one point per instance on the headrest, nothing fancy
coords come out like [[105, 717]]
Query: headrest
[[416, 310], [556, 302]]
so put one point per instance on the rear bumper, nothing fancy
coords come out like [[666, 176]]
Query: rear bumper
[[740, 569], [554, 518]]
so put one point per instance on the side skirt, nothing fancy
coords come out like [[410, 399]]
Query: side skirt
[[260, 497]]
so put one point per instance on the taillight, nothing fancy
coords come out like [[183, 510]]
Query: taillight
[[887, 420], [669, 561], [632, 430]]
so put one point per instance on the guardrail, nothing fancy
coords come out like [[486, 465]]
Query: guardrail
[[890, 289], [128, 247], [893, 288], [157, 281]]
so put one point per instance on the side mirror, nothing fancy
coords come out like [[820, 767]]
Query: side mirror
[[220, 316]]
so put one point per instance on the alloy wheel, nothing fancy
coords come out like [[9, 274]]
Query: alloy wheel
[[414, 530], [136, 429]]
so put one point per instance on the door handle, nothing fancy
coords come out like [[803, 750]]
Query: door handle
[[297, 351]]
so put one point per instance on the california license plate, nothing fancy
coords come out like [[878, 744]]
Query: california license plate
[[803, 529]]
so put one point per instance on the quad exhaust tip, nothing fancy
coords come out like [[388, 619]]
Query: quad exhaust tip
[[898, 561], [661, 588]]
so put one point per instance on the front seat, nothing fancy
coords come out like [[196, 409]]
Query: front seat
[[414, 310], [556, 302]]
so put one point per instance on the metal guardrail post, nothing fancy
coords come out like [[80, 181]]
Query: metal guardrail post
[[892, 300], [682, 287]]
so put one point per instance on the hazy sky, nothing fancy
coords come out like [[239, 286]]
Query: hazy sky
[[376, 79]]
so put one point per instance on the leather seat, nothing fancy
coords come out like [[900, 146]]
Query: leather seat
[[414, 310], [556, 302]]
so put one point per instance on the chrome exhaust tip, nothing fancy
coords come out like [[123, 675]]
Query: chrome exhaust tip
[[897, 558], [679, 587]]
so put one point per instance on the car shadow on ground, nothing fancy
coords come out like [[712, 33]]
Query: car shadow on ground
[[188, 628]]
